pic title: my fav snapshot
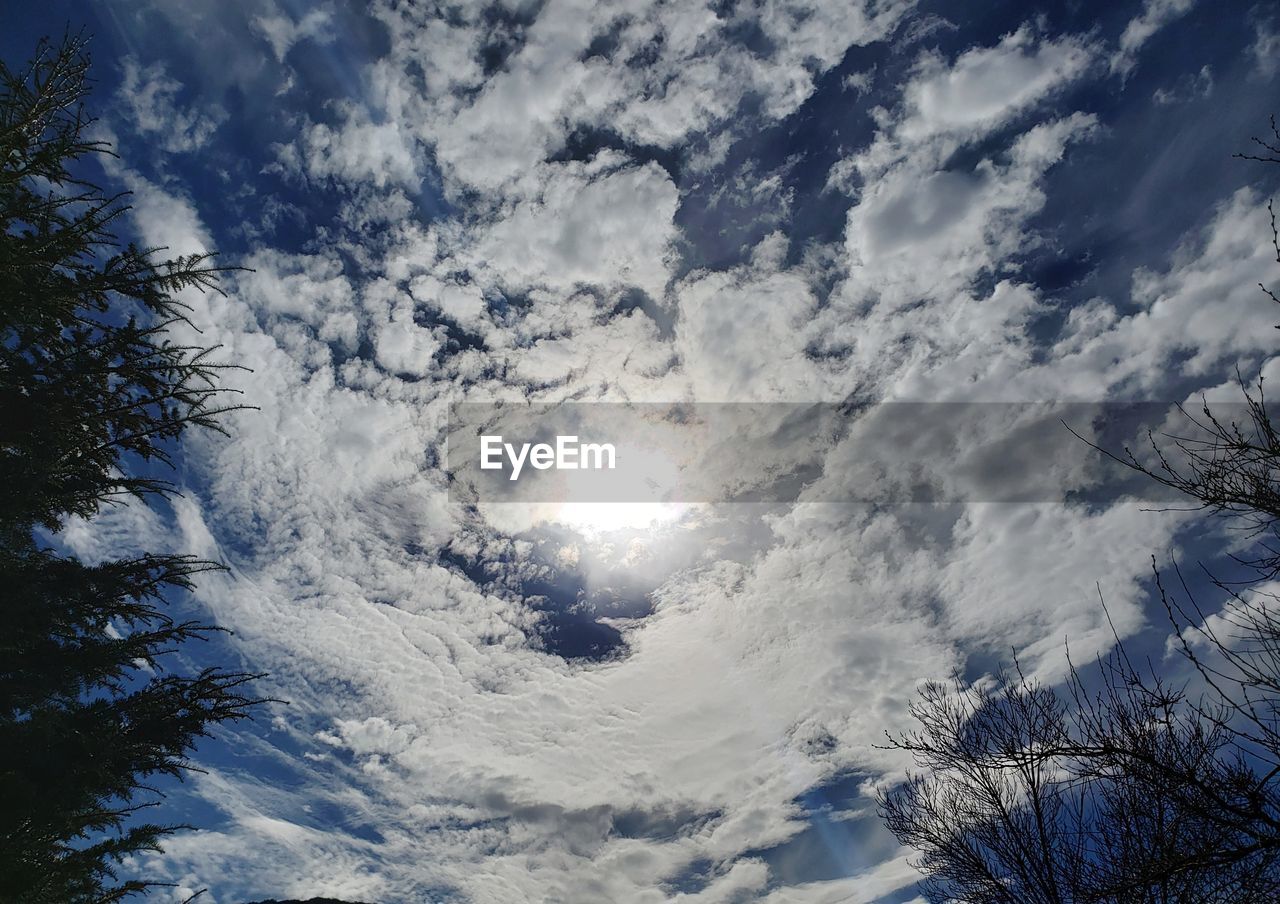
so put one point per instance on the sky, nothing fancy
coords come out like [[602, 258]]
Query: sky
[[631, 202]]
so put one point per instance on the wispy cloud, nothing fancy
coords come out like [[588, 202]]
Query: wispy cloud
[[500, 206]]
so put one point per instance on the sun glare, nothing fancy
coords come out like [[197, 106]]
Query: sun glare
[[595, 518]]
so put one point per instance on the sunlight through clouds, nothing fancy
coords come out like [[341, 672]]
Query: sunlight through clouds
[[668, 697]]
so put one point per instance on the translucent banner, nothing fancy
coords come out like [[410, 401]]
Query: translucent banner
[[887, 453]]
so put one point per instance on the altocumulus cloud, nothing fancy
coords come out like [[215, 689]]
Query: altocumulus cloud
[[510, 201]]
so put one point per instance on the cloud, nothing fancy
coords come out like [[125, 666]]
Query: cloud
[[150, 98], [919, 230], [427, 682], [985, 87], [282, 33], [602, 223], [744, 334], [654, 74], [1187, 88], [437, 743], [1156, 14], [945, 106], [1205, 310], [1266, 47], [127, 529], [356, 151], [302, 288], [865, 888], [1005, 552]]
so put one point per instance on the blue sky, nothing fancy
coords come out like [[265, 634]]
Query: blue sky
[[632, 202]]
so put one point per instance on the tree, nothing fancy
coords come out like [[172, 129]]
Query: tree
[[92, 391], [1131, 794], [1139, 791]]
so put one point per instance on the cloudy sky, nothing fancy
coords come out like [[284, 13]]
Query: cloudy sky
[[635, 202]]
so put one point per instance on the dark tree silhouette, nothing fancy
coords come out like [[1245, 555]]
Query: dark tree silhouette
[[1139, 790], [1133, 793], [91, 387]]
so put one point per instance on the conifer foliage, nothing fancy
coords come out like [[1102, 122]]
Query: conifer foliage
[[93, 394]]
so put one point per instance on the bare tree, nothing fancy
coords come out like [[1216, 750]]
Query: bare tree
[[1138, 790], [1129, 793]]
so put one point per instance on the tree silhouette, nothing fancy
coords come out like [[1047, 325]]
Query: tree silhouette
[[1139, 790], [91, 389]]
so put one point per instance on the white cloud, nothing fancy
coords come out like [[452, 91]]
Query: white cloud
[[356, 151], [129, 529], [1266, 47], [400, 344], [985, 87], [1187, 88], [150, 97], [945, 106], [743, 335], [1156, 14], [1006, 552], [309, 288], [783, 640], [917, 230], [667, 72], [595, 224], [1205, 311], [282, 33], [865, 888]]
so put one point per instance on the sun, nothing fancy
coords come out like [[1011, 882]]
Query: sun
[[597, 518]]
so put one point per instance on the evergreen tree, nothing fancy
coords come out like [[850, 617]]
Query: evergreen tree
[[91, 388]]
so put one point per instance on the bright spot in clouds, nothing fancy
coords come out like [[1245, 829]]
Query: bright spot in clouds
[[562, 699], [592, 519]]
